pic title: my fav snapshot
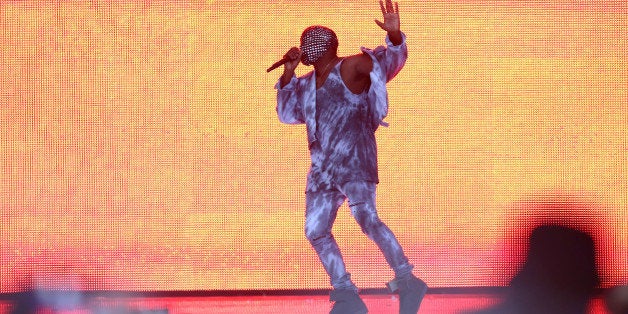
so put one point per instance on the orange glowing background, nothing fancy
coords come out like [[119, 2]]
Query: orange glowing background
[[140, 148]]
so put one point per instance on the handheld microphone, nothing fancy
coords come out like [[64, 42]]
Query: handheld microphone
[[278, 64]]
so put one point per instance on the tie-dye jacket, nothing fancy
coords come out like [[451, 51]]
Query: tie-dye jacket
[[296, 102]]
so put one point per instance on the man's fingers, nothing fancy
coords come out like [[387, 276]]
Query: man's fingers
[[389, 6], [387, 10], [293, 54], [293, 51]]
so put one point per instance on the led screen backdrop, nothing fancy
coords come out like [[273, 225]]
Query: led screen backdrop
[[140, 148]]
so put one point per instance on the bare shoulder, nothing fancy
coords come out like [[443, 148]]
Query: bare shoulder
[[355, 72], [361, 64]]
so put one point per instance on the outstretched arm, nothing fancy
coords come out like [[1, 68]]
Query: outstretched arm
[[391, 23], [393, 58]]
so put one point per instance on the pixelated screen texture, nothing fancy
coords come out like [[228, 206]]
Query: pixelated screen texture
[[140, 147]]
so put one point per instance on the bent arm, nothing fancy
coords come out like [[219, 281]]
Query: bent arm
[[393, 57], [289, 109], [386, 63]]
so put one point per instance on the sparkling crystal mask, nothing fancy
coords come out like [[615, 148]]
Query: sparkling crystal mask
[[315, 42]]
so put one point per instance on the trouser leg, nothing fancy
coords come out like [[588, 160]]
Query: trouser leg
[[361, 197], [320, 214]]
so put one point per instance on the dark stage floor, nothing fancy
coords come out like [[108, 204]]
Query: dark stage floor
[[441, 303]]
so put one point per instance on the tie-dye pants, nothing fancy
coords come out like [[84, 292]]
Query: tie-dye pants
[[320, 214]]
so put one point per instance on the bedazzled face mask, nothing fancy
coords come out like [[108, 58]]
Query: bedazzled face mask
[[315, 42]]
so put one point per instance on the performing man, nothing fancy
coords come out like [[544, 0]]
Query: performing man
[[342, 102]]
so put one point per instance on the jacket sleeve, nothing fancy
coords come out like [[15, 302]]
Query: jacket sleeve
[[387, 62], [392, 58], [289, 108]]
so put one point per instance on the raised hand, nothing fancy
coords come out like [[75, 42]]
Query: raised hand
[[391, 22]]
